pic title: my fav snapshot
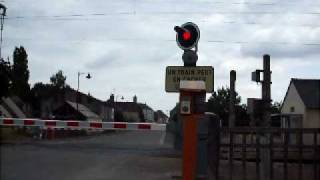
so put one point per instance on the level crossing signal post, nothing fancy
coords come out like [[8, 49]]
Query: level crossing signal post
[[192, 95], [192, 83]]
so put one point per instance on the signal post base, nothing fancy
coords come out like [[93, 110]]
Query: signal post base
[[190, 126], [192, 95]]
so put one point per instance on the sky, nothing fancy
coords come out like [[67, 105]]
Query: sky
[[127, 44]]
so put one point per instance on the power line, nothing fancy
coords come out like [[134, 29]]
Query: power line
[[268, 24], [68, 15], [239, 12], [78, 17], [160, 12], [265, 42], [266, 3], [143, 40], [249, 3], [263, 3]]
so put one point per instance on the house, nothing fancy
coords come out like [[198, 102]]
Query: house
[[4, 112], [161, 117], [132, 111], [9, 107], [56, 101], [301, 107], [148, 112], [302, 103], [75, 111], [101, 108]]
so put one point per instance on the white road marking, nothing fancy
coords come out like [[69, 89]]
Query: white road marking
[[163, 136]]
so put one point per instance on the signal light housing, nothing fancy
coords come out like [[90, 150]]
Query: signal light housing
[[187, 35]]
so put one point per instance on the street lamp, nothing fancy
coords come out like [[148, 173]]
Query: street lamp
[[79, 74], [122, 98]]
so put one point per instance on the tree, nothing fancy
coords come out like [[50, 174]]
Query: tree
[[20, 74], [242, 117], [5, 78], [275, 107], [219, 104], [56, 90], [38, 92], [42, 90], [58, 80]]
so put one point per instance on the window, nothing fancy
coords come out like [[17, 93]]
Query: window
[[292, 109]]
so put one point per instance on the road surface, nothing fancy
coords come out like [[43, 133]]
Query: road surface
[[113, 156]]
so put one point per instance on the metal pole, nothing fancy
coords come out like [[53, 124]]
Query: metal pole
[[77, 95], [232, 116]]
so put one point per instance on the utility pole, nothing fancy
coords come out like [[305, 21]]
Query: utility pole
[[266, 118], [232, 115], [266, 91], [262, 108]]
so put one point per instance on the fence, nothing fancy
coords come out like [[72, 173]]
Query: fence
[[264, 153]]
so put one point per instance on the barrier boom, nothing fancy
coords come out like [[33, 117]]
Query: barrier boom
[[73, 124]]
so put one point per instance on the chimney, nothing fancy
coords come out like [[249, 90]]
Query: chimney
[[112, 98], [135, 99]]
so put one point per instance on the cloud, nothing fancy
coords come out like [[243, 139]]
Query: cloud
[[109, 59], [281, 51], [128, 48], [282, 42]]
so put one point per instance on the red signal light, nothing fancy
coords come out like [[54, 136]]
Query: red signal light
[[186, 35]]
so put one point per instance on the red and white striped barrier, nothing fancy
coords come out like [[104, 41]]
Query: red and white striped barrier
[[58, 124]]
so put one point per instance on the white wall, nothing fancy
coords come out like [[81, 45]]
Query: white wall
[[312, 118], [148, 115], [293, 100]]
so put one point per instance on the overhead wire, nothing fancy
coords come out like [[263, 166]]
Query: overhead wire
[[143, 40], [91, 17], [82, 16], [251, 23], [290, 3], [87, 17], [157, 13]]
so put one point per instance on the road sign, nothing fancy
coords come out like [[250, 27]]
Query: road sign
[[174, 74]]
